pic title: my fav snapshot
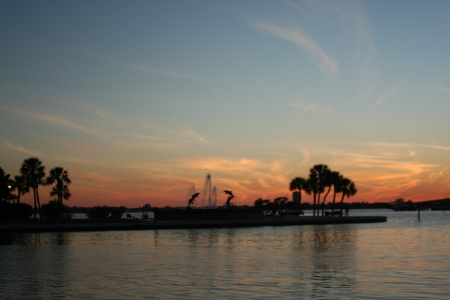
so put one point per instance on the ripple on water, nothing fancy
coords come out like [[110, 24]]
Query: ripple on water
[[399, 259]]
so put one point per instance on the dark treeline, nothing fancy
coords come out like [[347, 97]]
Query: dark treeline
[[32, 176], [319, 183]]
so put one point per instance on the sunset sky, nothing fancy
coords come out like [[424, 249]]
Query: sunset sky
[[140, 100]]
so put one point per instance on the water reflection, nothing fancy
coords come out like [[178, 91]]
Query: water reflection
[[35, 239], [326, 258], [358, 261], [35, 264]]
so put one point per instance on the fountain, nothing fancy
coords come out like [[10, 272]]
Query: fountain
[[207, 191], [209, 194], [214, 197]]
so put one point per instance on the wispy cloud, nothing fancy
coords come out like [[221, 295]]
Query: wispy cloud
[[318, 56], [19, 148], [145, 68], [310, 107], [110, 124], [386, 96], [439, 89], [350, 25], [305, 154], [194, 135], [162, 72], [48, 119], [410, 145]]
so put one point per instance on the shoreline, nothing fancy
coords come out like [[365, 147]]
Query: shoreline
[[191, 224]]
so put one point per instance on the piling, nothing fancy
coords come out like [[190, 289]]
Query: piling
[[418, 212]]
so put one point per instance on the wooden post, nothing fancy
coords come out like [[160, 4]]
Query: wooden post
[[418, 212]]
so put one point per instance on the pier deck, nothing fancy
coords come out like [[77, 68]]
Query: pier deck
[[149, 225]]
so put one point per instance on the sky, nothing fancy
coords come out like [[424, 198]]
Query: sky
[[140, 100]]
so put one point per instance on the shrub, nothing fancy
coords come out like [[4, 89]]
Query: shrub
[[54, 210], [117, 212], [10, 211], [98, 212]]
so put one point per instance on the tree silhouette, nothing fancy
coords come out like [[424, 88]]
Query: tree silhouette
[[312, 183], [34, 172], [20, 184], [320, 180], [280, 201], [60, 178], [297, 184], [316, 182], [6, 186], [336, 189], [329, 178], [261, 202], [348, 189]]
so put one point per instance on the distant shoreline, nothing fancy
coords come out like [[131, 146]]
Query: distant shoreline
[[192, 224]]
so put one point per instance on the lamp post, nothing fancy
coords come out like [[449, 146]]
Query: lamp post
[[9, 202]]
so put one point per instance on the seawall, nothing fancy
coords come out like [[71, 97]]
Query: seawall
[[183, 224]]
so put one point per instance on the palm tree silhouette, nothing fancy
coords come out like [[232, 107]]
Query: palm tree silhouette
[[329, 178], [20, 184], [348, 189], [297, 184], [317, 181], [60, 177], [337, 178], [34, 172]]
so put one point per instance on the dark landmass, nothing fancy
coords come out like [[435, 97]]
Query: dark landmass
[[184, 219]]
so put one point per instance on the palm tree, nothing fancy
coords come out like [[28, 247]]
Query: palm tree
[[329, 178], [348, 189], [34, 172], [313, 187], [317, 181], [297, 184], [60, 177], [336, 189], [20, 184]]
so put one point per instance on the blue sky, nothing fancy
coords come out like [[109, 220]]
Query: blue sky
[[140, 100]]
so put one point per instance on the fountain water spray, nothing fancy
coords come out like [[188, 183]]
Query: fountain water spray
[[214, 197], [207, 191]]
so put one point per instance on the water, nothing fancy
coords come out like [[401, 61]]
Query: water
[[399, 259]]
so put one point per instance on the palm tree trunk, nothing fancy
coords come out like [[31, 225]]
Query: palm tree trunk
[[342, 203], [300, 199], [59, 206], [332, 206], [323, 202], [318, 204], [314, 205], [39, 203], [34, 198]]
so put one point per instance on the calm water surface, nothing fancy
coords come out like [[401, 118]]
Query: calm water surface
[[399, 259]]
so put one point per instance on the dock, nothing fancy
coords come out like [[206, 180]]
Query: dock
[[188, 224]]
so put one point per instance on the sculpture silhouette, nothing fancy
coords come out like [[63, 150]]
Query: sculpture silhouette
[[191, 201], [230, 196]]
